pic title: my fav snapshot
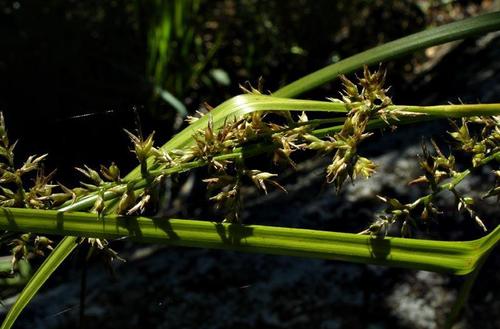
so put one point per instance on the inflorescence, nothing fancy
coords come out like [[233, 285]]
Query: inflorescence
[[223, 150]]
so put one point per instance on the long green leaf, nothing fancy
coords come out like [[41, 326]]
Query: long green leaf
[[238, 106], [244, 104], [51, 263], [435, 36], [440, 256]]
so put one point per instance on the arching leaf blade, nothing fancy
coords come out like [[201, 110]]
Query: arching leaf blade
[[454, 257], [454, 31]]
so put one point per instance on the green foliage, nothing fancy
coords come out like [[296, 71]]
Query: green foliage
[[171, 38], [421, 40]]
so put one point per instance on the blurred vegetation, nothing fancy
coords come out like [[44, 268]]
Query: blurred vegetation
[[60, 60]]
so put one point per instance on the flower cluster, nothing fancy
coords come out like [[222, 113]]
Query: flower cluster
[[441, 174], [223, 148], [227, 174], [363, 103], [486, 143], [15, 192], [362, 106], [27, 246]]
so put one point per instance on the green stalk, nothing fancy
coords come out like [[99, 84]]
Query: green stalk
[[450, 111], [246, 104], [458, 30], [462, 175], [236, 107], [457, 258]]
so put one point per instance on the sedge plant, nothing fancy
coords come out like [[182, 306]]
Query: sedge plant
[[108, 205]]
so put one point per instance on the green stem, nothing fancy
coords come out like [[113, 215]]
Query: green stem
[[440, 256], [247, 152], [459, 177], [450, 111], [446, 33]]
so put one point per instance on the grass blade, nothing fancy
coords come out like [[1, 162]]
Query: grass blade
[[454, 257], [421, 40], [238, 106], [244, 104]]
